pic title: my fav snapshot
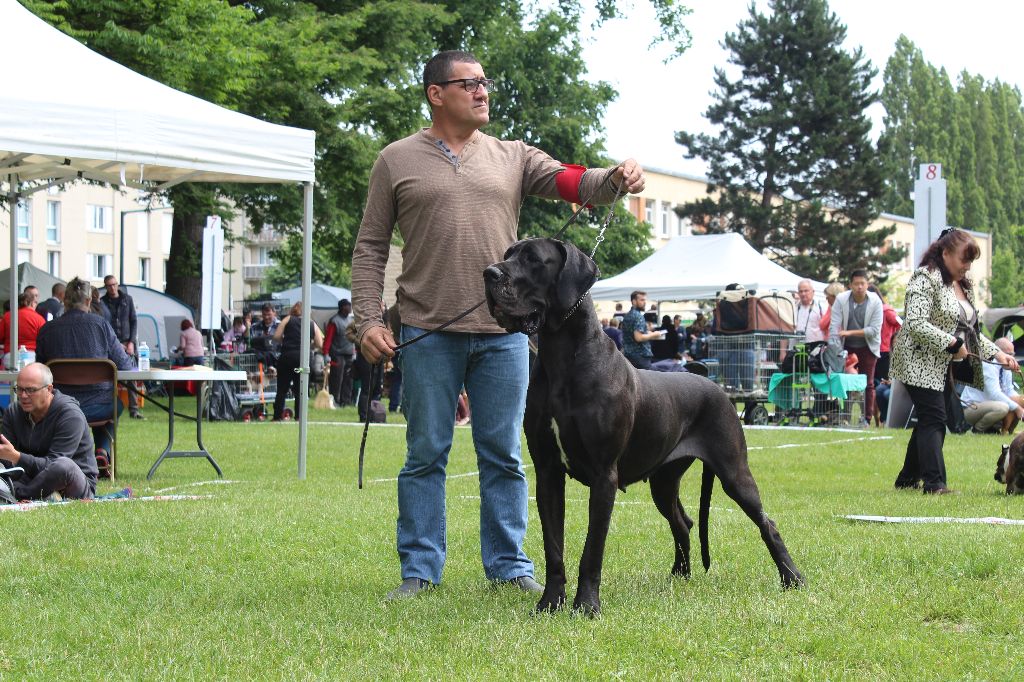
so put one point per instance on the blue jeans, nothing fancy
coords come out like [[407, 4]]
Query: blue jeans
[[493, 368], [101, 434]]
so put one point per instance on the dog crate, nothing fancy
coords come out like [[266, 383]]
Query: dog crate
[[804, 398], [256, 394], [744, 365]]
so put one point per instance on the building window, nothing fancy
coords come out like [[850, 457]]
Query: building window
[[263, 256], [649, 211], [99, 265], [24, 255], [166, 229], [666, 212], [23, 219], [142, 238], [53, 263], [144, 272], [97, 218], [53, 222]]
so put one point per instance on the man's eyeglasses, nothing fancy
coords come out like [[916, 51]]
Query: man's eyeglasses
[[471, 84], [28, 390]]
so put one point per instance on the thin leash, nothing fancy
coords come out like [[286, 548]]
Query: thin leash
[[558, 235]]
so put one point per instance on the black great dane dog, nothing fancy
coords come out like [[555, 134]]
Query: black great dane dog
[[616, 425]]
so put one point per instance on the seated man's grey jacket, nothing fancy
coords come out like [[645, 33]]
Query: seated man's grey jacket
[[63, 432]]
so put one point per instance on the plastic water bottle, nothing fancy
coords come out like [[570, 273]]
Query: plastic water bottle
[[143, 357], [23, 358]]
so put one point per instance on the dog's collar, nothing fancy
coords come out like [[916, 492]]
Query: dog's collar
[[576, 306]]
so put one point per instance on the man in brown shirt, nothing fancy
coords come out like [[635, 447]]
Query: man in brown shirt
[[455, 195]]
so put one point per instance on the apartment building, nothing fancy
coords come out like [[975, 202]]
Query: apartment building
[[75, 231]]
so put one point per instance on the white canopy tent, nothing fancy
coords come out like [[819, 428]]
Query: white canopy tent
[[697, 267], [92, 118]]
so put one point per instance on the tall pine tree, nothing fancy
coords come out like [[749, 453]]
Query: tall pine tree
[[793, 168]]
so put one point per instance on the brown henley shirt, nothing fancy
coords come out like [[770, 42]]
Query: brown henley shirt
[[457, 215]]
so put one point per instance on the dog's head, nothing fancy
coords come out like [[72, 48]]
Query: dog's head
[[539, 281], [1011, 466]]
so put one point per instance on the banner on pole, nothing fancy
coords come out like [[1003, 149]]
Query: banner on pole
[[213, 273]]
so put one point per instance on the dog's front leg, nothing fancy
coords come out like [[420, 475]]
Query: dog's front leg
[[602, 501], [551, 507], [546, 456]]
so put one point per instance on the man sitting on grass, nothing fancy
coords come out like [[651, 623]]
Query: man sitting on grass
[[45, 433]]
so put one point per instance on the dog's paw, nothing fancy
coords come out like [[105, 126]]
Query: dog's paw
[[550, 602], [587, 608], [792, 579]]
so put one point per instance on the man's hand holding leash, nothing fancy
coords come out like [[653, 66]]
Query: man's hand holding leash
[[377, 342], [630, 173]]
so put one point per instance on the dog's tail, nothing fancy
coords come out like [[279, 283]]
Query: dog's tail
[[707, 484]]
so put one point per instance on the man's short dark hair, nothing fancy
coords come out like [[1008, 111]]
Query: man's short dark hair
[[268, 306], [57, 289], [632, 296], [859, 272], [344, 302], [439, 67]]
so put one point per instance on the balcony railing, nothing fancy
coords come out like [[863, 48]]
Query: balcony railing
[[255, 271]]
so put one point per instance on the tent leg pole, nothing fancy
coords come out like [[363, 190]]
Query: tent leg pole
[[307, 313], [12, 205]]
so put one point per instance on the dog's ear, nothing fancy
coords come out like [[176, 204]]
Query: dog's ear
[[578, 274]]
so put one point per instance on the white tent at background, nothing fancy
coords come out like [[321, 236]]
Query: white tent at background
[[92, 118], [698, 267]]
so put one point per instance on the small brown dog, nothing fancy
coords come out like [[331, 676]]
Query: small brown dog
[[1010, 466]]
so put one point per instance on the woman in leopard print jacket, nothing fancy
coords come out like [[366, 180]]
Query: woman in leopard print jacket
[[938, 297]]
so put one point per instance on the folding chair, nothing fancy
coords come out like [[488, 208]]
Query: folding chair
[[84, 372]]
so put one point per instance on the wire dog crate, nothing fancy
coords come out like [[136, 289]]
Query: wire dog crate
[[805, 398], [258, 391], [743, 365]]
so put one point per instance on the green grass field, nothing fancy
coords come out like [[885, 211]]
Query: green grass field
[[270, 577]]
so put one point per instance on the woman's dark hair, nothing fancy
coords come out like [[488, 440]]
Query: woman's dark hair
[[185, 324], [951, 239], [666, 321]]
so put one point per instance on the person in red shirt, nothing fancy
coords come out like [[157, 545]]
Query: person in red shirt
[[29, 323]]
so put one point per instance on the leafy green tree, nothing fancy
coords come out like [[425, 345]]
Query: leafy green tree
[[976, 131], [792, 167], [350, 71]]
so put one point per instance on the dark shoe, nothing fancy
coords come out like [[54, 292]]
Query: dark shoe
[[940, 491], [908, 485], [410, 587], [525, 583], [103, 463], [136, 415]]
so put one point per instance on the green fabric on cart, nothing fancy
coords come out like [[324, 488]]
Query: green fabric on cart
[[834, 385]]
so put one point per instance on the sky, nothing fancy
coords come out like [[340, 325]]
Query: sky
[[657, 99]]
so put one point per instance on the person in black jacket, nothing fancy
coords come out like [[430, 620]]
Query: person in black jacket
[[45, 433], [289, 336], [125, 324]]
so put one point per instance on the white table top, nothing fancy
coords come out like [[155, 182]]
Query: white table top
[[162, 375]]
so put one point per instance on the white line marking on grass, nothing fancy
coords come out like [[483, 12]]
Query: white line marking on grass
[[818, 444], [214, 481], [825, 429], [576, 499], [39, 504], [450, 476], [359, 424], [988, 520]]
